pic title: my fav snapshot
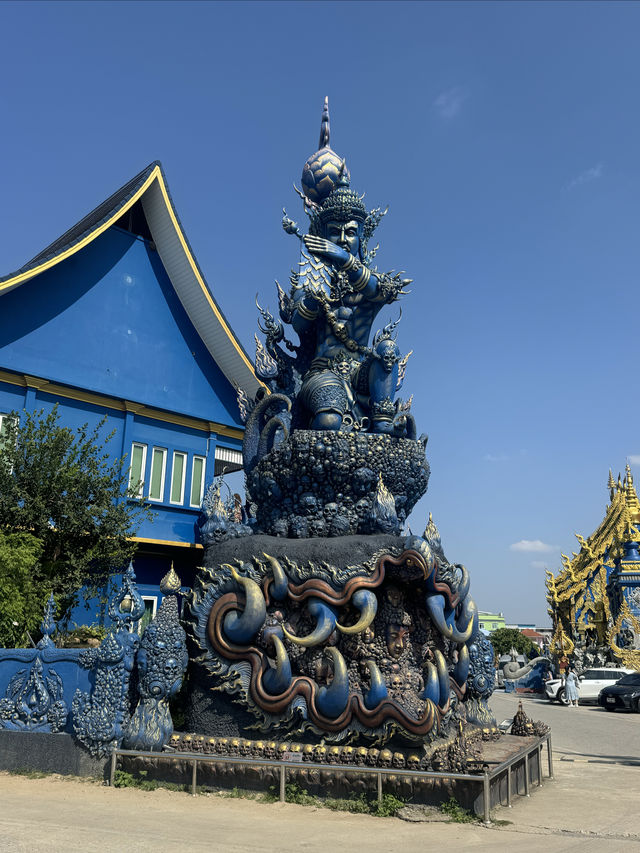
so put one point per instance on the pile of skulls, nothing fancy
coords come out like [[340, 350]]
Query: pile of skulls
[[524, 726], [315, 754]]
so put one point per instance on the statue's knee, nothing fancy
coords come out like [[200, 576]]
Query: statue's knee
[[327, 420]]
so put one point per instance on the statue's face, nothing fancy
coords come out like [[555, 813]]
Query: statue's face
[[345, 234], [397, 640]]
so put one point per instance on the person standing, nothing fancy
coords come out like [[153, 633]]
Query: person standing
[[571, 687]]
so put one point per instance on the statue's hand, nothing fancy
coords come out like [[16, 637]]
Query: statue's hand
[[326, 249]]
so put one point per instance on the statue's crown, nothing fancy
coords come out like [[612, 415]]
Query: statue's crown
[[342, 204]]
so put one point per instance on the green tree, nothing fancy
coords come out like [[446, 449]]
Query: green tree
[[505, 639], [22, 600], [63, 488]]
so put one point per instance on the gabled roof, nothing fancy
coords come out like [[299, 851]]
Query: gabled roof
[[149, 187]]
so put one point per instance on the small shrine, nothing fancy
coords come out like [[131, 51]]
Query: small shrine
[[594, 601]]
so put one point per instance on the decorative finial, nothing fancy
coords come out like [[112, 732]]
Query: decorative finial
[[170, 583], [325, 130], [629, 476], [619, 482], [611, 485]]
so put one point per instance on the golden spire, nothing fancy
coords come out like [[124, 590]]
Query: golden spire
[[611, 485], [170, 583], [619, 483]]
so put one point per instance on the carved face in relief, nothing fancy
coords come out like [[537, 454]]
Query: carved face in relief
[[344, 234], [397, 639], [394, 596]]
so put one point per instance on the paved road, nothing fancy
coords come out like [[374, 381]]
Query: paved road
[[587, 731], [587, 809]]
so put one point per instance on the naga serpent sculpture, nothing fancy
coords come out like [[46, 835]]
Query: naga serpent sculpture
[[251, 618]]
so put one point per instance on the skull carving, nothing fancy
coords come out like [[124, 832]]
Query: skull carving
[[372, 757], [330, 511], [396, 682], [307, 752], [234, 746], [334, 755], [320, 754], [346, 756], [386, 757], [245, 747], [210, 746], [360, 756], [413, 763], [398, 760], [270, 750]]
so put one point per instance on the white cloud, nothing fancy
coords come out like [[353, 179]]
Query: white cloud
[[534, 546], [491, 457], [634, 460], [449, 103], [539, 564], [591, 174]]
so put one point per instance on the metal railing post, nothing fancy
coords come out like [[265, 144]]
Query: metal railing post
[[112, 772], [509, 787], [486, 797], [540, 766], [379, 787], [193, 776], [526, 774], [283, 790], [550, 756]]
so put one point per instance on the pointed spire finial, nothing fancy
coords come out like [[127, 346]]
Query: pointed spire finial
[[619, 482], [170, 583], [629, 477], [325, 130], [611, 485]]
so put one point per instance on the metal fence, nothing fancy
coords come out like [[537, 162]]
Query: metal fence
[[485, 778]]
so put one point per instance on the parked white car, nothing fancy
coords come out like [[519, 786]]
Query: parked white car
[[591, 682]]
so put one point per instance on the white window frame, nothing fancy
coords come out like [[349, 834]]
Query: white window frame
[[184, 477], [163, 450], [154, 609], [204, 470], [143, 467]]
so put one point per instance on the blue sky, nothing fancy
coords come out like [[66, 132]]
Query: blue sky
[[503, 136]]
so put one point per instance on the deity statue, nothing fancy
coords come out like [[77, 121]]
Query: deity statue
[[328, 621], [344, 382]]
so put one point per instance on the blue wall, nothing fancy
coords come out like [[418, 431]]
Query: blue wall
[[107, 319]]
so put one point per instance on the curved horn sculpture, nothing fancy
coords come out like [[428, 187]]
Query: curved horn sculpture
[[446, 624], [331, 701], [280, 581], [367, 603], [465, 580], [277, 679], [241, 628], [432, 685], [465, 622], [325, 625], [461, 669], [443, 677], [378, 689]]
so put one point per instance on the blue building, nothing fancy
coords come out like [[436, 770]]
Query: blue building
[[116, 318]]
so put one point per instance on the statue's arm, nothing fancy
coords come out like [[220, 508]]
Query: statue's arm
[[305, 312], [374, 286]]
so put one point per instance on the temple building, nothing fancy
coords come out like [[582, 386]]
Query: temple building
[[115, 318], [594, 601]]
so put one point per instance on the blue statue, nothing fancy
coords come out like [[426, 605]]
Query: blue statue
[[343, 381], [162, 660]]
